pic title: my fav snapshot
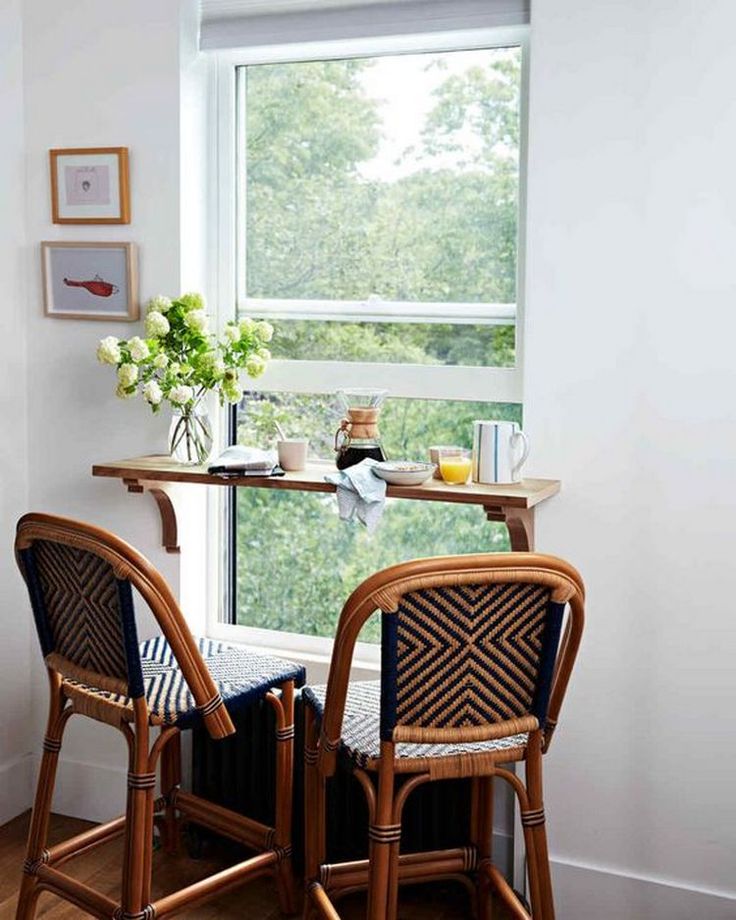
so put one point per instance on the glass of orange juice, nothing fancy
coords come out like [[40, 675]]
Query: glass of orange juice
[[455, 465]]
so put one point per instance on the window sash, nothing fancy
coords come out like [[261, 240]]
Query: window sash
[[404, 381], [376, 310]]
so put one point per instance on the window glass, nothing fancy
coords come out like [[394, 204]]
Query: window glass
[[385, 179], [296, 561], [380, 226]]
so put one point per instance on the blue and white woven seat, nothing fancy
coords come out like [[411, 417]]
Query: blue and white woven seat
[[361, 740], [241, 677]]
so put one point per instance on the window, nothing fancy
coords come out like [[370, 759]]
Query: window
[[377, 227]]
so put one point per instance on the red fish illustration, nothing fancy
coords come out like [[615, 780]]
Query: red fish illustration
[[96, 286]]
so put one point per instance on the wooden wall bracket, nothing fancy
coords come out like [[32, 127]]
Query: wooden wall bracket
[[520, 524], [169, 524]]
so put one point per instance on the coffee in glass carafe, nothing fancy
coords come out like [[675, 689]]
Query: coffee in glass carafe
[[357, 437]]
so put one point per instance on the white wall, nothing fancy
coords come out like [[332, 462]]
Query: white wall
[[629, 399], [15, 688], [99, 74]]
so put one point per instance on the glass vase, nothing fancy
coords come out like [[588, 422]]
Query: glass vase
[[190, 435]]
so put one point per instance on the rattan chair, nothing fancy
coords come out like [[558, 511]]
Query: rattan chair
[[81, 580], [476, 654]]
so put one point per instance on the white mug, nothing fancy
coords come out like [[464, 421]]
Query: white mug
[[292, 453], [500, 450]]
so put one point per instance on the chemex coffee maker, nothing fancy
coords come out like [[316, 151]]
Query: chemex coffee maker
[[357, 437]]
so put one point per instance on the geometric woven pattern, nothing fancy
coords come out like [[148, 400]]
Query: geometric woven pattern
[[241, 678], [467, 655], [361, 741], [81, 601]]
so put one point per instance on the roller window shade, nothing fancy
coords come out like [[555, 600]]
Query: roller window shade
[[248, 23]]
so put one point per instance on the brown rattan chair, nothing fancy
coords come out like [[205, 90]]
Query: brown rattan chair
[[476, 654], [80, 580]]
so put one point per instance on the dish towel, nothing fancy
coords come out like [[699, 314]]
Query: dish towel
[[360, 494]]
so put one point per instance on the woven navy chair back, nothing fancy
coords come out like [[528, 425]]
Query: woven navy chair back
[[83, 612], [468, 655]]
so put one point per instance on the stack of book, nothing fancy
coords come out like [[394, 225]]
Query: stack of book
[[246, 461]]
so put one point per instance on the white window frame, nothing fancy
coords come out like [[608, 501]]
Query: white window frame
[[483, 384]]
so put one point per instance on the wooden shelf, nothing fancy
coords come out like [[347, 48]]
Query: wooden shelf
[[512, 504]]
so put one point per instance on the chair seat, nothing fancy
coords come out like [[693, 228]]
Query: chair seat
[[361, 741], [241, 677]]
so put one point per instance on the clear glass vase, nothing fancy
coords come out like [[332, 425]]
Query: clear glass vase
[[190, 435]]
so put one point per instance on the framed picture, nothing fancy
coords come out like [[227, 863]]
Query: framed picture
[[90, 281], [90, 186]]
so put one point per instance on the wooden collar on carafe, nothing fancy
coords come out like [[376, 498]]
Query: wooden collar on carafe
[[363, 423]]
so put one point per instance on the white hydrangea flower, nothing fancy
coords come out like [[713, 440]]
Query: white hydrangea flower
[[158, 304], [152, 393], [198, 321], [264, 331], [247, 326], [255, 366], [156, 324], [122, 393], [232, 391], [108, 351], [161, 361], [212, 362], [138, 349], [127, 375], [180, 395], [174, 368], [192, 301], [232, 333], [264, 353]]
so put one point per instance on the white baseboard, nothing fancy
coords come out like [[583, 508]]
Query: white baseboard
[[582, 892], [16, 786]]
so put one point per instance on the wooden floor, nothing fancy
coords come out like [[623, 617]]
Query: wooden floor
[[256, 901]]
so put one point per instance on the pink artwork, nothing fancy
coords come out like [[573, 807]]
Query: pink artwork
[[87, 185]]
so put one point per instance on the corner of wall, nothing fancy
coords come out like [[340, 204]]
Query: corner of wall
[[16, 771]]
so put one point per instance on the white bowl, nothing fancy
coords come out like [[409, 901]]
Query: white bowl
[[404, 472]]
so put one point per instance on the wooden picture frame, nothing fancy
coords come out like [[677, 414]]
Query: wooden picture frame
[[94, 281], [90, 185]]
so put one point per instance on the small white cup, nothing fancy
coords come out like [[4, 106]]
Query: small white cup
[[293, 453]]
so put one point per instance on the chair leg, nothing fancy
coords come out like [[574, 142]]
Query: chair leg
[[36, 853], [284, 798], [170, 782], [137, 861], [535, 822], [382, 835], [482, 840], [314, 811]]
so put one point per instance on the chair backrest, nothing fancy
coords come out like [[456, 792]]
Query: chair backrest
[[473, 647], [80, 581]]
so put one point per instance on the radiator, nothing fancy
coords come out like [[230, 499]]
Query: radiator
[[238, 773]]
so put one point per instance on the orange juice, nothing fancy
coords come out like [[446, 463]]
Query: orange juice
[[455, 470]]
